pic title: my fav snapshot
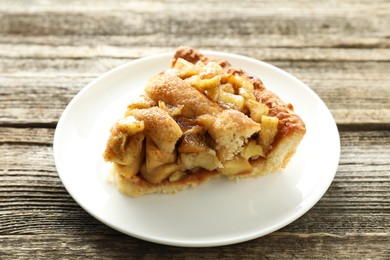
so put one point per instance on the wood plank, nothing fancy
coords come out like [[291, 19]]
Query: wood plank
[[30, 190], [43, 136], [37, 91], [271, 54], [167, 18], [110, 5], [300, 246], [210, 41], [49, 50], [250, 7]]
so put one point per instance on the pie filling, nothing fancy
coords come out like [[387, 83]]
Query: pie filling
[[192, 117]]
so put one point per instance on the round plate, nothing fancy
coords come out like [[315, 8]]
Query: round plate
[[219, 212]]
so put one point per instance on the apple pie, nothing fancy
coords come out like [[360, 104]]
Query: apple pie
[[201, 118]]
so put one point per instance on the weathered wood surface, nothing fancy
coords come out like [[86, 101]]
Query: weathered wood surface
[[50, 50]]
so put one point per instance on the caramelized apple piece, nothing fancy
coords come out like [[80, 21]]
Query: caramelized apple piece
[[205, 84], [206, 159], [195, 152], [159, 126], [228, 100], [160, 173], [125, 141], [131, 169], [209, 70], [240, 82], [252, 150], [141, 102], [236, 166], [257, 110], [228, 87], [193, 143], [185, 68], [156, 157], [269, 129]]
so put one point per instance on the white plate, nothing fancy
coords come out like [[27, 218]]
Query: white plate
[[219, 212]]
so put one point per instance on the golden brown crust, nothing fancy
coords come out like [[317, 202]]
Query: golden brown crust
[[159, 126], [289, 122], [137, 186], [192, 55], [174, 91]]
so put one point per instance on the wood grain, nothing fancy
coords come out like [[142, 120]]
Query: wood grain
[[339, 50], [355, 92], [168, 18], [275, 246], [31, 191], [49, 50]]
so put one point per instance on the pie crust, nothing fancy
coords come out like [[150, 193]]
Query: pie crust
[[199, 119]]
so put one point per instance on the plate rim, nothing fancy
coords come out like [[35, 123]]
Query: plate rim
[[310, 200]]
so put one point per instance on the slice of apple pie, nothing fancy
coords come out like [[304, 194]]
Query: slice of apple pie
[[201, 118]]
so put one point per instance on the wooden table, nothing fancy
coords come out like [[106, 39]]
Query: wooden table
[[51, 50]]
